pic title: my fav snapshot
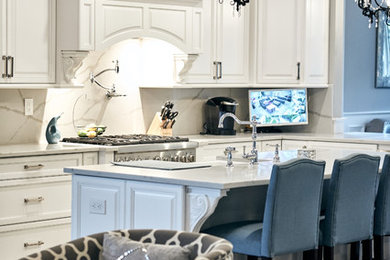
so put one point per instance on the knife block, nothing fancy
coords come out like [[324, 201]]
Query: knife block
[[156, 127]]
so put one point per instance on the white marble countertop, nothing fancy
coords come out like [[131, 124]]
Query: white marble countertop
[[354, 137], [217, 176], [43, 149]]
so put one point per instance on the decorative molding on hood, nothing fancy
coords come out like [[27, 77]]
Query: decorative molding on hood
[[71, 62]]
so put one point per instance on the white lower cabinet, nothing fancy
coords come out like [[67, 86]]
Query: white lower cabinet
[[154, 205], [35, 201], [269, 146], [101, 204], [298, 144], [17, 241], [212, 151]]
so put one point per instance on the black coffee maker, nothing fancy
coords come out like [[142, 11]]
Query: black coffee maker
[[214, 109]]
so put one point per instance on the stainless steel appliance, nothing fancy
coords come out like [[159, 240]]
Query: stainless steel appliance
[[144, 147]]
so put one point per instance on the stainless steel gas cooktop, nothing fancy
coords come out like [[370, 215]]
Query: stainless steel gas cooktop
[[131, 139]]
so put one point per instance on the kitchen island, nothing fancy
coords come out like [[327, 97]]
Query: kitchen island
[[107, 197]]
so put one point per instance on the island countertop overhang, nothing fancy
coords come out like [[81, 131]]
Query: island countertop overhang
[[218, 176]]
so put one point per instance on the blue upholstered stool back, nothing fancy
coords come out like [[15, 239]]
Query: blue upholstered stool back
[[291, 217], [382, 203], [350, 206]]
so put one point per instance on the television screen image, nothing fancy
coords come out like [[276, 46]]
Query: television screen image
[[278, 107]]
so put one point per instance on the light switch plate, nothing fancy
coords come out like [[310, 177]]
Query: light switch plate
[[97, 206], [28, 106]]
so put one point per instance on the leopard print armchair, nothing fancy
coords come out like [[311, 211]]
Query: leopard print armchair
[[204, 246]]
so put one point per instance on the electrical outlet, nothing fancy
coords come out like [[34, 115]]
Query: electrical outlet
[[28, 106], [97, 206]]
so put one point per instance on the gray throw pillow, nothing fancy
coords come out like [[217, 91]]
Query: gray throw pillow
[[114, 246]]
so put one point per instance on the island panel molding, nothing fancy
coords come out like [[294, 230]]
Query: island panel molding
[[201, 203]]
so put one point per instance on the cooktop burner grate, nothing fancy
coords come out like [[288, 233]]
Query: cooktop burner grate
[[126, 139]]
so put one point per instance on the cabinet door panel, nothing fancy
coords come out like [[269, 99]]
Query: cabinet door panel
[[99, 204], [31, 40], [233, 44], [50, 233], [316, 42], [3, 36], [203, 70], [35, 199], [153, 205], [87, 25], [278, 41]]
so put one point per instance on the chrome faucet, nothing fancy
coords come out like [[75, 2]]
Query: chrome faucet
[[228, 152], [252, 155]]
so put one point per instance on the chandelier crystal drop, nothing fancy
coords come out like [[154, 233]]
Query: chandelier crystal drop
[[373, 8], [237, 3]]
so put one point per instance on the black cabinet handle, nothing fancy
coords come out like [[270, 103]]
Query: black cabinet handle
[[11, 75], [299, 71], [220, 70], [215, 70]]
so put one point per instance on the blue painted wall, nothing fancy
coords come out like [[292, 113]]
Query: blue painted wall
[[360, 94]]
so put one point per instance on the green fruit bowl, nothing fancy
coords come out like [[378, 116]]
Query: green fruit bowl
[[90, 130]]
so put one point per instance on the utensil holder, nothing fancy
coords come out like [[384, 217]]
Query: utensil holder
[[156, 127]]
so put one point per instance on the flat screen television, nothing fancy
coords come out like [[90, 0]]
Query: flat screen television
[[278, 107]]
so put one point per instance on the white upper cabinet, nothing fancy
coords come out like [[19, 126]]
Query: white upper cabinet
[[76, 24], [316, 42], [27, 47], [118, 20], [292, 42], [278, 41], [225, 56]]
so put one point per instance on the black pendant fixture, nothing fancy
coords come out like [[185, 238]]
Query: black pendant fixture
[[372, 10], [236, 3]]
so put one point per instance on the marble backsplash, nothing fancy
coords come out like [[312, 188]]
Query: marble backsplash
[[134, 112], [124, 115]]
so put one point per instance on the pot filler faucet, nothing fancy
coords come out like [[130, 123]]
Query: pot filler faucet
[[252, 155]]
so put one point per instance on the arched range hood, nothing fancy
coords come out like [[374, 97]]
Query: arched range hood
[[97, 25]]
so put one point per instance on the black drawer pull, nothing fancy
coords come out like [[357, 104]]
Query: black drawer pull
[[33, 167], [39, 243]]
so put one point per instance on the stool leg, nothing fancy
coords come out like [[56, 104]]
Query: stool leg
[[355, 250], [367, 249], [310, 254], [319, 251], [378, 247], [328, 252]]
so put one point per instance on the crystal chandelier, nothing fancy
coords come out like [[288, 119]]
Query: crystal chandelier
[[237, 3], [372, 10]]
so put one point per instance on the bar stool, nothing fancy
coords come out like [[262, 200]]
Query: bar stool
[[291, 215], [350, 205], [382, 210]]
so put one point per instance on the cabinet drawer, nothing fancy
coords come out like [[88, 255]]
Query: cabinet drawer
[[210, 152], [36, 166], [35, 199], [269, 146], [14, 237]]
